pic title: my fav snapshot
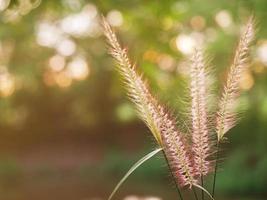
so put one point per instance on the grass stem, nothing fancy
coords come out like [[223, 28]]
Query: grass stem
[[202, 184], [195, 193], [215, 169], [173, 177]]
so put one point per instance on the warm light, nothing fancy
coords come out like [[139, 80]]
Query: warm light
[[81, 24], [166, 62], [63, 80], [48, 79], [152, 198], [151, 55], [198, 22], [57, 63], [258, 68], [4, 4], [262, 53], [115, 18], [48, 34], [66, 47], [7, 84], [247, 81], [185, 44], [131, 197], [223, 19], [78, 68], [167, 23]]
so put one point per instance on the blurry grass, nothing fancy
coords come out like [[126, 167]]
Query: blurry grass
[[244, 173], [242, 176], [117, 163], [10, 170]]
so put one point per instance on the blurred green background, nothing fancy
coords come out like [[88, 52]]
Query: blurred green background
[[67, 129]]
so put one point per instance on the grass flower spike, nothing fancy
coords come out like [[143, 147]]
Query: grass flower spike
[[187, 166], [137, 90], [199, 116], [154, 115], [175, 149], [226, 115]]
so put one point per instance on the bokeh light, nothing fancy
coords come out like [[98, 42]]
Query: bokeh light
[[247, 81], [262, 52], [4, 4], [78, 68], [7, 83], [48, 34], [66, 47], [63, 79], [223, 18], [198, 23], [185, 43], [83, 23], [57, 63], [115, 18]]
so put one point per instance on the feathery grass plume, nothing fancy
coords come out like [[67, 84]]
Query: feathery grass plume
[[199, 116], [136, 88], [175, 149], [157, 119], [226, 114]]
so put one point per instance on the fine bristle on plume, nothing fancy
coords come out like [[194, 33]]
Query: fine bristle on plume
[[226, 115]]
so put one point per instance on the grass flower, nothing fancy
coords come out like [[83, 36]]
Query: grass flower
[[159, 121], [226, 115], [199, 115], [186, 164]]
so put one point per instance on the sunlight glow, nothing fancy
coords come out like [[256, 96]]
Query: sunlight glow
[[115, 18], [48, 34], [247, 81], [166, 62], [48, 78], [78, 68], [223, 18], [63, 80], [83, 23], [152, 198], [57, 63], [198, 22], [262, 53], [66, 47], [151, 55], [131, 197], [185, 44], [4, 4], [7, 84]]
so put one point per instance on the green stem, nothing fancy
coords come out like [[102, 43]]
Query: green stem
[[202, 184], [215, 169], [195, 193], [173, 177]]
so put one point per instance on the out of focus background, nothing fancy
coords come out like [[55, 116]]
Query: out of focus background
[[67, 130]]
